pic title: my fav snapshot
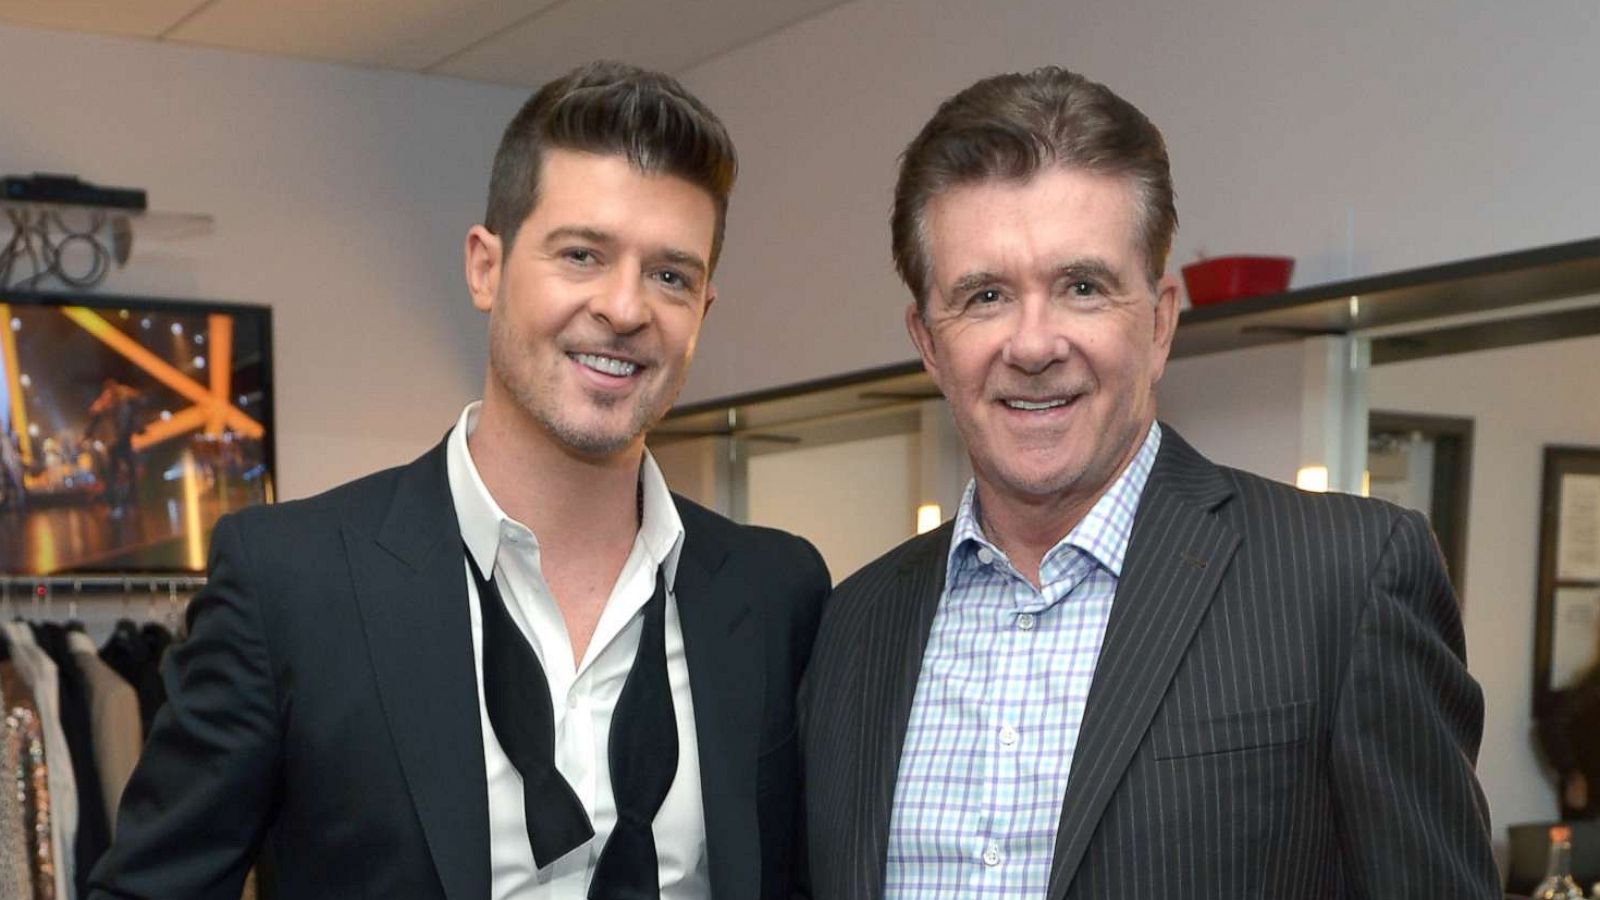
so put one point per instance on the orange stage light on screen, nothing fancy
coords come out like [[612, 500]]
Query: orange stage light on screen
[[13, 375], [211, 410], [221, 328], [193, 533]]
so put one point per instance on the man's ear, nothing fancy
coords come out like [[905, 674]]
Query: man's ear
[[1166, 324], [711, 296], [917, 327], [484, 258]]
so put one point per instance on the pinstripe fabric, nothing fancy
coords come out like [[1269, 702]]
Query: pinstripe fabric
[[995, 720], [1280, 709]]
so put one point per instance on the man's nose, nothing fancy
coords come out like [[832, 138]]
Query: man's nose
[[620, 302], [1038, 338]]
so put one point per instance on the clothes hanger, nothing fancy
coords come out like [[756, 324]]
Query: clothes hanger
[[172, 606]]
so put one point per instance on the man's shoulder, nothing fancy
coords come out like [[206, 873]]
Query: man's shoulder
[[923, 555], [1265, 500], [785, 570], [1244, 497], [1280, 522], [362, 502], [711, 528]]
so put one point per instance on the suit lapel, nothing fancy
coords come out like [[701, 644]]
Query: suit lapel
[[898, 635], [1176, 558], [722, 649], [411, 591]]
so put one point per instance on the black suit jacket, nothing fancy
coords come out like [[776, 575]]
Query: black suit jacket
[[1281, 706], [324, 705]]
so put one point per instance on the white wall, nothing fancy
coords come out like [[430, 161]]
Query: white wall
[[854, 499], [1359, 137], [1241, 409], [1494, 389], [341, 197]]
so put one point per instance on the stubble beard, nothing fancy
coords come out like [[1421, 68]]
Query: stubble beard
[[537, 397]]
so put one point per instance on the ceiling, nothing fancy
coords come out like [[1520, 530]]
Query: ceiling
[[519, 42]]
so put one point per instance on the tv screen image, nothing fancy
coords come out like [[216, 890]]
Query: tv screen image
[[127, 427]]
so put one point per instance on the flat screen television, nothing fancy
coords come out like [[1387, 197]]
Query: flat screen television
[[128, 425]]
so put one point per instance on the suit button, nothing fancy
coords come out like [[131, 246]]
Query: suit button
[[991, 856]]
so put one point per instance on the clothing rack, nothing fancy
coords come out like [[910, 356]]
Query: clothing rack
[[37, 594], [99, 584]]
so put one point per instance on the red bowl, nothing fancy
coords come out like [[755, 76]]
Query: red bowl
[[1225, 278]]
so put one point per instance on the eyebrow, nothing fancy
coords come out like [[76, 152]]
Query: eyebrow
[[603, 238], [972, 281], [684, 258], [579, 232], [1090, 269], [1086, 269]]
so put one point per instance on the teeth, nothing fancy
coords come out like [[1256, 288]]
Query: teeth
[[606, 364], [1031, 405]]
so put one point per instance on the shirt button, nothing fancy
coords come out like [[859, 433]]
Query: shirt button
[[1025, 621], [572, 699], [985, 556], [991, 856], [1008, 736]]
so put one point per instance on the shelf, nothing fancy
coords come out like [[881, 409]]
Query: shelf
[[1383, 303], [1488, 283], [147, 224], [77, 245]]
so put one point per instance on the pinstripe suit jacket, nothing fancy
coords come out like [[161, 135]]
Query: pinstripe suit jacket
[[1281, 707]]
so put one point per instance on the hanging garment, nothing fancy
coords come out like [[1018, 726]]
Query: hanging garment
[[114, 720], [92, 835], [27, 867], [39, 673], [135, 654]]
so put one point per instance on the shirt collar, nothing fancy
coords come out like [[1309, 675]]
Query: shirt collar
[[1103, 534], [482, 520]]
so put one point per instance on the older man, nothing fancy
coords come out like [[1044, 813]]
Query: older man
[[1121, 671]]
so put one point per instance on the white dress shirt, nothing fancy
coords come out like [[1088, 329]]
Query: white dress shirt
[[582, 696]]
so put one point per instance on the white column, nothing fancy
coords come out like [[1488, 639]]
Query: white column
[[1333, 414]]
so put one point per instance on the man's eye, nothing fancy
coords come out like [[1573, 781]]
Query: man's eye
[[580, 255], [672, 279], [1084, 289], [986, 296]]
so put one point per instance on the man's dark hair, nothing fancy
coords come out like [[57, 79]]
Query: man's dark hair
[[1009, 127], [614, 109]]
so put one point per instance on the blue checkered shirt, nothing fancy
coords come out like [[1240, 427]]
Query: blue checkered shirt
[[1004, 682]]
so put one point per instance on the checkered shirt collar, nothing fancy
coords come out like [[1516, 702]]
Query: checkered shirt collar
[[1103, 534]]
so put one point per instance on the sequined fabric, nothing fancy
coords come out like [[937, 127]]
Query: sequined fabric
[[16, 873], [27, 866]]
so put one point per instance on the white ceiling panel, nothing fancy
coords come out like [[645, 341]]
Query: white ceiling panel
[[671, 35], [398, 34], [144, 18]]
